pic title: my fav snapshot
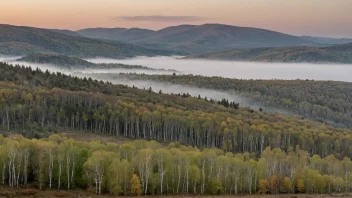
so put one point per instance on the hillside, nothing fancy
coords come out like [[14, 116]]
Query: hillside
[[67, 102], [201, 38], [322, 101], [118, 34], [18, 40], [59, 60], [343, 48], [192, 141], [333, 54], [69, 62], [327, 40], [66, 32]]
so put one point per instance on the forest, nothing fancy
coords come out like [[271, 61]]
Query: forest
[[149, 168], [327, 102], [205, 146], [35, 102]]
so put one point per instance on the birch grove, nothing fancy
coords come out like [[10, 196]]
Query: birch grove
[[173, 169]]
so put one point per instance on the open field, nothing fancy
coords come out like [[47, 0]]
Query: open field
[[31, 192]]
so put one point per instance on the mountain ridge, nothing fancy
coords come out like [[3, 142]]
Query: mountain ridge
[[205, 38], [38, 40]]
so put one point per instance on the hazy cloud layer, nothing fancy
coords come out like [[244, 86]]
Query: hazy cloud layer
[[161, 18], [243, 70]]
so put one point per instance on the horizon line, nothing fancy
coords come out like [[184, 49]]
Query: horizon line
[[155, 30]]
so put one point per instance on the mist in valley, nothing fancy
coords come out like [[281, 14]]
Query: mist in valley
[[243, 70], [5, 58], [70, 71], [168, 88]]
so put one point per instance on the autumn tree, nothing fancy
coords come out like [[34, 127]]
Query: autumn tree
[[136, 188]]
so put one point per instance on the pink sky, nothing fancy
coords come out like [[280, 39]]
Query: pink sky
[[300, 17]]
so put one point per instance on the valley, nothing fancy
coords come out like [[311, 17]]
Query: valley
[[175, 99]]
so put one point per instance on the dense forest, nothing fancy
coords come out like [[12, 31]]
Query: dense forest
[[213, 147], [322, 101], [142, 167], [36, 99]]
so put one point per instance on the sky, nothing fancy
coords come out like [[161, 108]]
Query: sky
[[329, 18]]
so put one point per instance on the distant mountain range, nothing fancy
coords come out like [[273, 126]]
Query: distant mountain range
[[199, 38], [19, 40], [212, 39], [331, 54]]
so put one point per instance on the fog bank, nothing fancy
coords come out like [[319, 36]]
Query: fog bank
[[243, 70], [68, 71], [170, 88]]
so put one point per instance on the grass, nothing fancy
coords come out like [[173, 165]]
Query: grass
[[32, 192]]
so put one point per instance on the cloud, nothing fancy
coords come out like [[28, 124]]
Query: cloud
[[161, 18]]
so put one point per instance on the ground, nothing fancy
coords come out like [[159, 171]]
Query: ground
[[35, 193]]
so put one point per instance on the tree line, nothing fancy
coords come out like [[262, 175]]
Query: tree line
[[150, 168]]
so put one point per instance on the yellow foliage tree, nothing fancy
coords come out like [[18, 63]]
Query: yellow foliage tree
[[273, 187], [286, 185], [300, 185], [263, 186], [136, 187]]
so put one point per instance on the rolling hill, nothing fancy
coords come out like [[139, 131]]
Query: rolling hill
[[327, 40], [59, 60], [199, 38], [332, 54], [66, 32], [119, 34], [322, 101], [19, 40], [68, 62]]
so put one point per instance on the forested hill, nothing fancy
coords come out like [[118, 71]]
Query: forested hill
[[34, 103], [19, 40], [322, 101], [60, 60], [333, 54], [205, 146], [69, 62]]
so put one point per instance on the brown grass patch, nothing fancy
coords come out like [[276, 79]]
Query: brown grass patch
[[35, 193]]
